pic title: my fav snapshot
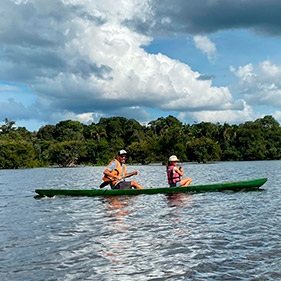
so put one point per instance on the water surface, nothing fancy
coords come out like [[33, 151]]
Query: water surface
[[206, 236]]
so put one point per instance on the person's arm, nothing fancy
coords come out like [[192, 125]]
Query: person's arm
[[134, 173], [179, 170], [109, 174], [109, 171]]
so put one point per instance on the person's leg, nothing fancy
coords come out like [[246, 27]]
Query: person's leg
[[123, 185], [136, 185], [185, 182]]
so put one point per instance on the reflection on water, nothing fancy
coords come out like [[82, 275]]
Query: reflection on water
[[114, 248], [206, 236], [178, 203], [179, 200], [117, 206]]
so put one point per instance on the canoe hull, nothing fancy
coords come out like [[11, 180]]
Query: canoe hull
[[247, 185]]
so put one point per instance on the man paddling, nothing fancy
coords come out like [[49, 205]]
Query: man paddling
[[115, 174]]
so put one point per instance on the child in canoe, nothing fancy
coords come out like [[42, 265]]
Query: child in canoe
[[174, 173]]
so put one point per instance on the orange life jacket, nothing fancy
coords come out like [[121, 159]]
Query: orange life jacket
[[117, 172]]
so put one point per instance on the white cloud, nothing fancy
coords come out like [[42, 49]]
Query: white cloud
[[260, 84], [84, 117], [221, 116], [204, 44], [244, 73], [80, 59], [277, 116]]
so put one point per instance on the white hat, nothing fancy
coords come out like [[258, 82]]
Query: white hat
[[174, 158], [122, 151]]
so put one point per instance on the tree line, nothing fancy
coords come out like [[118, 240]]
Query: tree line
[[73, 143]]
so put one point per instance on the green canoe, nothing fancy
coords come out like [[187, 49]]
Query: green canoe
[[247, 185]]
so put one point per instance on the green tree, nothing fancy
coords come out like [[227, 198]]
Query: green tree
[[271, 132], [203, 150], [134, 132], [162, 125], [17, 154], [94, 132], [46, 133], [8, 126], [71, 142], [139, 153], [250, 141], [226, 139], [206, 129], [66, 153], [268, 122], [114, 126], [69, 131]]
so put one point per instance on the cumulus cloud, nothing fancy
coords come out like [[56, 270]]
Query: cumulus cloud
[[204, 44], [277, 115], [82, 59], [230, 116], [260, 84]]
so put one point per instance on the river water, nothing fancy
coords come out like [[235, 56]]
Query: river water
[[206, 236]]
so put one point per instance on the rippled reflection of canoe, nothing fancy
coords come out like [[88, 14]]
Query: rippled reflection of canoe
[[247, 185]]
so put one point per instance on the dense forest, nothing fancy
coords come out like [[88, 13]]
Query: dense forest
[[73, 143]]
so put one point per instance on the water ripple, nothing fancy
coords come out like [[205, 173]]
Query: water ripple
[[210, 236]]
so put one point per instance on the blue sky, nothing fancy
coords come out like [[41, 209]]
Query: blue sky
[[199, 60]]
